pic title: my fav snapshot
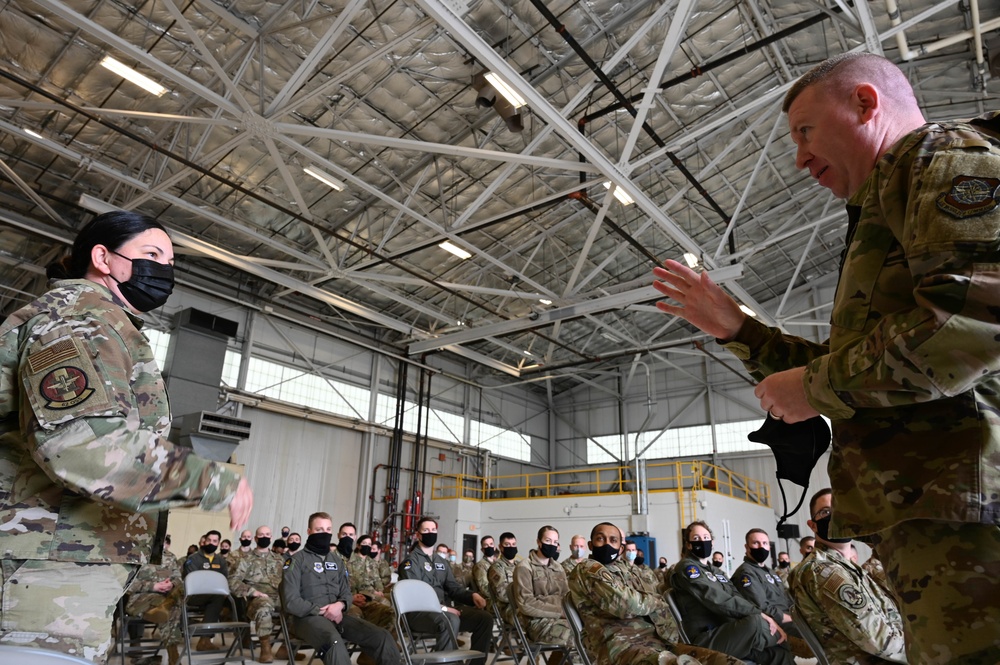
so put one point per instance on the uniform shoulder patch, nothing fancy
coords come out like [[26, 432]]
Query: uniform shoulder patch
[[331, 565], [851, 596], [438, 566], [721, 577], [288, 564], [318, 566], [745, 580], [693, 572], [969, 196], [62, 383], [407, 564]]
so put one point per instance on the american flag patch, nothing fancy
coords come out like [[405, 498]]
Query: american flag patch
[[59, 352]]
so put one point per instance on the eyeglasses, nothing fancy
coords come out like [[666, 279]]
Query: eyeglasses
[[822, 514]]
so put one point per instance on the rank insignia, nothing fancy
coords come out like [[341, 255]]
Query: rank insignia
[[65, 387], [969, 196], [692, 572]]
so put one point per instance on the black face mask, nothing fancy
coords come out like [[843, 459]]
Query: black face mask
[[639, 561], [372, 554], [149, 286], [428, 539], [245, 542], [783, 564], [284, 533], [224, 551], [701, 548], [760, 554], [823, 531], [345, 546], [717, 564], [489, 552], [605, 553], [365, 550], [509, 553], [209, 549], [662, 566], [319, 543], [263, 543], [549, 551], [293, 546]]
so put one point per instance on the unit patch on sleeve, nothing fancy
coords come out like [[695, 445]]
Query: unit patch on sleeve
[[692, 572], [745, 581], [65, 387], [851, 596], [969, 196]]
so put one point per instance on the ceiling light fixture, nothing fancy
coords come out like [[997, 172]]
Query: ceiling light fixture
[[31, 132], [544, 301], [487, 97], [95, 205], [455, 249], [129, 74], [620, 194], [691, 260], [516, 100], [749, 312], [325, 178]]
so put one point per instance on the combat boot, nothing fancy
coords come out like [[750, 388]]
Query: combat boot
[[265, 650], [205, 644], [173, 655]]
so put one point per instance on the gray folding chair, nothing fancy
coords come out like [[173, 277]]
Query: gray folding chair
[[576, 624], [31, 656], [212, 583], [675, 611], [810, 637], [416, 596], [533, 649]]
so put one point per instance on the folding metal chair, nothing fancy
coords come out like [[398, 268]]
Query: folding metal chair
[[416, 596], [506, 646], [533, 649], [291, 642], [576, 624], [32, 656], [810, 637], [675, 611], [211, 583], [131, 630]]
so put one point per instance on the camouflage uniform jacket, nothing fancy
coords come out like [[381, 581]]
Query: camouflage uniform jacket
[[647, 575], [873, 567], [853, 619], [364, 576], [538, 589], [256, 571], [569, 564], [911, 360], [83, 414], [310, 581], [140, 592], [437, 572], [782, 574], [616, 608], [384, 572], [500, 575], [480, 578], [763, 588], [169, 559], [706, 599]]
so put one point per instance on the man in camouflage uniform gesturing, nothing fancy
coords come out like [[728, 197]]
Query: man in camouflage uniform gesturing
[[910, 376]]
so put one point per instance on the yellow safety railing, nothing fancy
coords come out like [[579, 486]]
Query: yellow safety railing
[[660, 477]]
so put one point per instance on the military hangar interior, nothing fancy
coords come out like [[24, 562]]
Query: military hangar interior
[[418, 296]]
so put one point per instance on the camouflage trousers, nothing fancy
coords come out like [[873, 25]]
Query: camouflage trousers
[[140, 604], [946, 579], [380, 614], [62, 606], [260, 611], [646, 648], [548, 631]]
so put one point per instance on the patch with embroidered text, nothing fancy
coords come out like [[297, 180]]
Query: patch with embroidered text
[[851, 596], [65, 387], [331, 565], [969, 196], [745, 581], [692, 572]]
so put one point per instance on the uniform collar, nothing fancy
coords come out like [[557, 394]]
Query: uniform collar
[[104, 292]]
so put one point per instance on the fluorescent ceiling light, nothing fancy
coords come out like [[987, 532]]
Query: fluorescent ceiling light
[[455, 249], [95, 205], [749, 312], [325, 178], [31, 132], [691, 260], [508, 92], [544, 301], [528, 353], [726, 273], [620, 194], [126, 72], [608, 336]]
